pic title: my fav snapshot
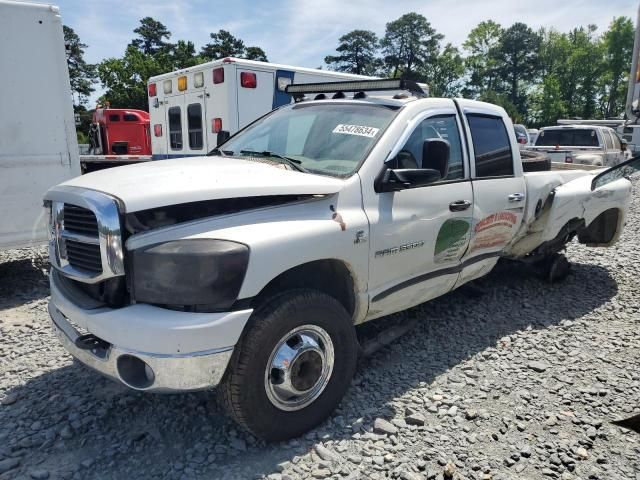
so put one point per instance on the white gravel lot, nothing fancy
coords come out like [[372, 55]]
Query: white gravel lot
[[521, 382]]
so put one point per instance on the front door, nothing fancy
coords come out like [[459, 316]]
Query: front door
[[419, 235]]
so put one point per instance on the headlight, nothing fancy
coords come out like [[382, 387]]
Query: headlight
[[200, 273], [47, 215]]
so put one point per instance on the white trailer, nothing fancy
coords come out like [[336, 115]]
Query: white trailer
[[38, 147], [191, 109]]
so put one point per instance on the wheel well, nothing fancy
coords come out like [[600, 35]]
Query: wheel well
[[332, 277], [602, 230]]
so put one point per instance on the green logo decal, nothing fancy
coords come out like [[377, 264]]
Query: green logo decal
[[452, 239]]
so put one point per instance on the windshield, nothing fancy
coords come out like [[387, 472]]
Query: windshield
[[331, 139], [577, 137]]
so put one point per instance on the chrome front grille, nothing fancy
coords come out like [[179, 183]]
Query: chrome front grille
[[80, 220], [84, 256], [85, 242]]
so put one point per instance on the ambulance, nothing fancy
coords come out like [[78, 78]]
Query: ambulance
[[194, 109]]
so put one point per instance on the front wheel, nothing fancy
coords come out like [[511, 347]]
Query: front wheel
[[293, 365]]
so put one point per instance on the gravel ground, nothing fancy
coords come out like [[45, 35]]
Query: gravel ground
[[520, 382]]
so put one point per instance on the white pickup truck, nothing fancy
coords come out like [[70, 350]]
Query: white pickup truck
[[581, 144], [249, 268]]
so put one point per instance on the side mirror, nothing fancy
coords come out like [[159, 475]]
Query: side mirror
[[435, 155], [623, 145], [402, 179], [223, 136]]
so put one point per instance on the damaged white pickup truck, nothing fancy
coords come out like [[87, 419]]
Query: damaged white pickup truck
[[249, 268]]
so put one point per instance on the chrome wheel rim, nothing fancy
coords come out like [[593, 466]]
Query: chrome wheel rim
[[299, 368]]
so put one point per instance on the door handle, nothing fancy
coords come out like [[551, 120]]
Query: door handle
[[459, 205], [516, 197]]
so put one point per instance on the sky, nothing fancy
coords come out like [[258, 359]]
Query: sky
[[303, 32]]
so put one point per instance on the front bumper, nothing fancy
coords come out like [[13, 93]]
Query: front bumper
[[145, 347], [168, 373]]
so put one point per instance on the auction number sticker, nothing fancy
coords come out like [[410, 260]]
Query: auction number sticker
[[360, 130]]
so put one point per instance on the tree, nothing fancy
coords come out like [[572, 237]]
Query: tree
[[444, 73], [81, 74], [183, 55], [547, 102], [409, 44], [517, 61], [255, 53], [357, 53], [481, 64], [618, 45], [574, 60], [154, 36], [125, 79], [224, 44]]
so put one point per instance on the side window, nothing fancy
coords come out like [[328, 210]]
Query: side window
[[194, 126], [444, 127], [128, 117], [114, 117], [175, 128], [491, 145], [607, 139]]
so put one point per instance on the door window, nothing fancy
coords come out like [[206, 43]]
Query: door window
[[194, 126], [175, 129], [443, 127], [491, 145]]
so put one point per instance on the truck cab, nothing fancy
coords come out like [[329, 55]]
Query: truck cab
[[249, 268], [119, 131]]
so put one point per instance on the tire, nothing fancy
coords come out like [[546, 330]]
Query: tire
[[248, 391], [535, 162], [555, 268]]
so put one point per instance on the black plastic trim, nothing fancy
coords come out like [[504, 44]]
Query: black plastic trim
[[434, 274]]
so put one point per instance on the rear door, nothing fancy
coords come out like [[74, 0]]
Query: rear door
[[498, 190], [175, 122], [255, 94], [194, 113]]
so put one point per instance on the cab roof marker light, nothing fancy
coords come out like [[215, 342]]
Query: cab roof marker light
[[355, 86]]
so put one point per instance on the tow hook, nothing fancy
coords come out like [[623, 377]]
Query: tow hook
[[96, 345]]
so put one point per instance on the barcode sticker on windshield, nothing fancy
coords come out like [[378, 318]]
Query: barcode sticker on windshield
[[356, 130]]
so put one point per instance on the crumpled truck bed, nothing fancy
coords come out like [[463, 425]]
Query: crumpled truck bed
[[555, 198]]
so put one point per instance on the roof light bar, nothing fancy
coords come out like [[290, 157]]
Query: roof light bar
[[355, 86]]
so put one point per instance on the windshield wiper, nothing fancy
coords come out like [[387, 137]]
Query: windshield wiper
[[292, 162]]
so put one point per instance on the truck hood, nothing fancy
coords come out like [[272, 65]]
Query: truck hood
[[172, 182]]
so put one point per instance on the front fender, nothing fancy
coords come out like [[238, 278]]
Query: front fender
[[283, 237]]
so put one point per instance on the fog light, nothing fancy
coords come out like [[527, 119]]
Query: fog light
[[134, 372]]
